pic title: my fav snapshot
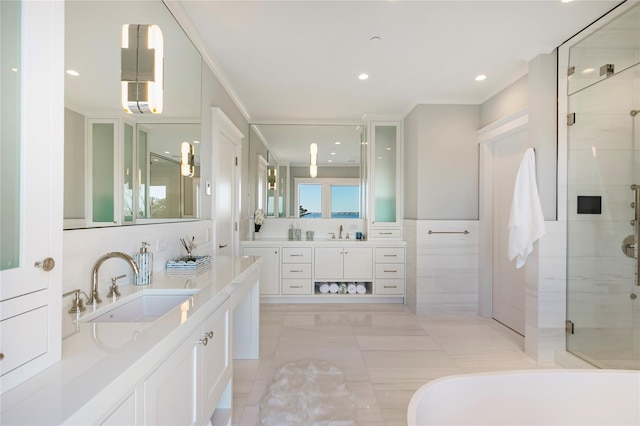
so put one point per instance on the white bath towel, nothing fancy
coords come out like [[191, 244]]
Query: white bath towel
[[333, 287], [526, 222], [361, 289], [351, 288], [324, 288]]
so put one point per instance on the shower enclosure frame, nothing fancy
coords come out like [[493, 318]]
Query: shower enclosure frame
[[588, 314]]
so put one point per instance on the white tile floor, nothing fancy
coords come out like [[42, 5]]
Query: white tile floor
[[385, 351]]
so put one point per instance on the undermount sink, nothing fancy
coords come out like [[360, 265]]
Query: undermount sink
[[143, 307]]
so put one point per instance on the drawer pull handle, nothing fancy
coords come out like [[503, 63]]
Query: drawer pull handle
[[385, 233], [211, 335], [296, 255], [295, 286], [296, 270], [204, 341], [388, 270], [390, 286], [1, 356], [390, 255]]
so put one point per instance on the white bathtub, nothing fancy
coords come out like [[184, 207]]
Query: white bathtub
[[530, 397]]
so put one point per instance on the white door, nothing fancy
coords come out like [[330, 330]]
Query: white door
[[226, 141], [508, 282]]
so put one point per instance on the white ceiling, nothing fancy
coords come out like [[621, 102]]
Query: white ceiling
[[298, 61]]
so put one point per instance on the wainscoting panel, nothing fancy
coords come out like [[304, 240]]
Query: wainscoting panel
[[445, 264]]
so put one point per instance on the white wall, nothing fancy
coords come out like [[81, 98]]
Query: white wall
[[442, 171], [509, 100]]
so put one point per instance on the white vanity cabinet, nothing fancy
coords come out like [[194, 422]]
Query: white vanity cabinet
[[125, 414], [269, 269], [390, 270], [185, 388], [385, 180], [296, 270], [347, 263]]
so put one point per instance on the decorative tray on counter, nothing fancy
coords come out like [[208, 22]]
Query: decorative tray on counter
[[188, 265]]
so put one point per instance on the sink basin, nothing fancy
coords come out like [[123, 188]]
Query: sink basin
[[145, 307]]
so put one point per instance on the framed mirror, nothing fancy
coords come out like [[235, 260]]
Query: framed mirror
[[110, 177], [335, 191]]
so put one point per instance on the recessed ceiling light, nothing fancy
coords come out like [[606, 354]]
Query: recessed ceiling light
[[167, 152], [588, 71], [333, 153], [388, 149], [329, 161], [196, 141], [566, 1], [375, 39], [14, 69], [337, 143], [363, 76], [73, 73], [481, 77]]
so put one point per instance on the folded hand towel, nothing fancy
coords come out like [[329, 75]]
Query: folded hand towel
[[526, 222], [333, 288], [351, 288], [361, 289], [324, 288]]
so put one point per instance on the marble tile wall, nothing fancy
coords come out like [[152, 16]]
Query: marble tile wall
[[445, 265]]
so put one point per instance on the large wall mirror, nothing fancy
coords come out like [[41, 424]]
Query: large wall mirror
[[291, 190], [125, 168]]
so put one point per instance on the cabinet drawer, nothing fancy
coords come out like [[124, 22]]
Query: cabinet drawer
[[24, 337], [296, 270], [389, 286], [294, 286], [385, 233], [389, 254], [389, 270], [296, 255]]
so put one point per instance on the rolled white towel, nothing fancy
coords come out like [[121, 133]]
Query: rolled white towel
[[333, 288], [324, 288], [351, 288], [361, 289]]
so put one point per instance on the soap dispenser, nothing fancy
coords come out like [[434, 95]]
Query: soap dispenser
[[144, 260]]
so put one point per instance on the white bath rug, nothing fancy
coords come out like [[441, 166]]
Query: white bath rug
[[308, 392]]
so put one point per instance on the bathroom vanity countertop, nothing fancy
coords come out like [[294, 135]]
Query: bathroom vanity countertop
[[284, 242], [99, 357]]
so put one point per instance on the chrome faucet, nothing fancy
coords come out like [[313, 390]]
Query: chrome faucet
[[95, 299], [340, 237]]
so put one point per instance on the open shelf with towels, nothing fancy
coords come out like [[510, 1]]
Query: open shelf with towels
[[355, 288]]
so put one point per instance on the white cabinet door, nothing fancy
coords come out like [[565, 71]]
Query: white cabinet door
[[358, 263], [216, 371], [31, 180], [171, 391], [349, 263], [385, 175], [328, 263], [269, 269]]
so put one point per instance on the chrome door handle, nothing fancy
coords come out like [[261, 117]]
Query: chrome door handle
[[222, 245]]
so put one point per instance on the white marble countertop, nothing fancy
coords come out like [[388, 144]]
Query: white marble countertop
[[112, 357], [284, 242]]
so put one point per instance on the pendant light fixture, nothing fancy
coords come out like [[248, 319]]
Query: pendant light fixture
[[142, 68], [313, 160]]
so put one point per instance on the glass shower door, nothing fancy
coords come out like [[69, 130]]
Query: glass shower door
[[602, 225]]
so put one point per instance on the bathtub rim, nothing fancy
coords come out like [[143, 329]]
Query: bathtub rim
[[422, 390]]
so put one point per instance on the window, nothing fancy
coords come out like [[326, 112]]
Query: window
[[328, 198]]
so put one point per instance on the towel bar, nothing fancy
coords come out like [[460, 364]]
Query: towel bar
[[448, 232]]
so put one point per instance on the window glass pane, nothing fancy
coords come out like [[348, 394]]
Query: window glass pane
[[345, 202], [310, 197]]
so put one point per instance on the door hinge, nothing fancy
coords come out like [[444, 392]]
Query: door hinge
[[235, 226], [568, 326], [607, 70], [236, 161], [571, 119], [571, 70]]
